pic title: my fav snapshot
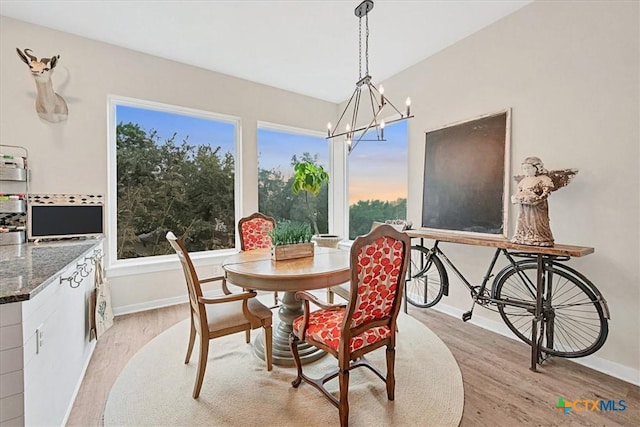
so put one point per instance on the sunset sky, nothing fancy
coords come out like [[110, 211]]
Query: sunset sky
[[377, 170]]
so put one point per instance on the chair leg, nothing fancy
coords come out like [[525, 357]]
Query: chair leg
[[268, 346], [343, 408], [293, 345], [391, 378], [192, 338], [202, 365], [247, 335]]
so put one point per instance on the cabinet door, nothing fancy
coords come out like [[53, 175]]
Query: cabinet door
[[58, 348]]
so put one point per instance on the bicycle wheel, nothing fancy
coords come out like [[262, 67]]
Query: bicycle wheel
[[573, 320], [428, 278]]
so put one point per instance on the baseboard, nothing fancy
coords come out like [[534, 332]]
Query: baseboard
[[596, 363], [79, 384], [149, 305], [599, 364]]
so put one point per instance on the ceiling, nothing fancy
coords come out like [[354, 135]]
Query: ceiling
[[304, 46]]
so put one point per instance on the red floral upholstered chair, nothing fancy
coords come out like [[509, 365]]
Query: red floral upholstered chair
[[253, 230], [217, 316], [366, 322]]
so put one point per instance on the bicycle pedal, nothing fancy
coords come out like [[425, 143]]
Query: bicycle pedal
[[466, 316]]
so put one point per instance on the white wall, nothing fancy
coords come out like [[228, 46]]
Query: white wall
[[569, 71], [71, 156]]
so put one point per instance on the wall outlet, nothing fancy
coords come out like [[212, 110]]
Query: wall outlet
[[39, 338]]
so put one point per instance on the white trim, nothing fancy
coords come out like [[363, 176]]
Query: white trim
[[147, 264], [289, 129], [161, 263], [599, 364], [149, 305], [331, 168], [613, 369]]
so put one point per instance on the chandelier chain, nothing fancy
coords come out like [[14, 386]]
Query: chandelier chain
[[359, 130], [366, 48], [359, 48]]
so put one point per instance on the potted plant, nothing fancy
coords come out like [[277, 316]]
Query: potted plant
[[309, 177], [290, 240]]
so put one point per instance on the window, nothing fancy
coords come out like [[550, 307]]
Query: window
[[174, 170], [278, 149], [378, 180]]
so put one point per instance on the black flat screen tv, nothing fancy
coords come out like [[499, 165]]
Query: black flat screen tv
[[57, 221]]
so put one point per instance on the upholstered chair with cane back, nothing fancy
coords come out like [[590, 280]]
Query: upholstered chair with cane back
[[365, 323], [220, 315], [254, 234]]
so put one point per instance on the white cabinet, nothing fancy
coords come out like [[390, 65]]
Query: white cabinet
[[45, 347]]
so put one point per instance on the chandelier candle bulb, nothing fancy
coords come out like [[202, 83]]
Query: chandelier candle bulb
[[408, 106], [381, 95], [382, 129], [329, 129]]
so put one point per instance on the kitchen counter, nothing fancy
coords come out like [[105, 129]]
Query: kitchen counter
[[27, 269]]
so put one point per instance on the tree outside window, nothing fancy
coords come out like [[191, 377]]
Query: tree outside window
[[174, 172], [278, 151], [378, 184]]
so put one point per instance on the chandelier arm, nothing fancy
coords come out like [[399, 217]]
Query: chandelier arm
[[387, 102], [356, 110], [376, 97], [346, 108], [374, 103]]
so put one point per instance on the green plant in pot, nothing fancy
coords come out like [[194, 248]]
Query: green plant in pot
[[290, 233], [309, 178], [291, 240]]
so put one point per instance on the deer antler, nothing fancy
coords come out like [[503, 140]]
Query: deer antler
[[50, 106], [27, 52]]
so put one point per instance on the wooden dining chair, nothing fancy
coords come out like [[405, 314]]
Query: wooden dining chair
[[343, 290], [365, 323], [217, 316], [254, 234]]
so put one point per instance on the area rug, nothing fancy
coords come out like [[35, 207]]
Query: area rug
[[155, 387]]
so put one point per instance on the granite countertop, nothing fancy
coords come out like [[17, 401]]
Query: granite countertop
[[27, 269]]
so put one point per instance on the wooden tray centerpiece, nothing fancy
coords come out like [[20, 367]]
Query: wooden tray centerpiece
[[291, 240]]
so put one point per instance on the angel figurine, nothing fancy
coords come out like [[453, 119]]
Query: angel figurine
[[534, 187]]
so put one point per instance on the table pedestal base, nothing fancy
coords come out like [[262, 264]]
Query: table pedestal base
[[289, 310]]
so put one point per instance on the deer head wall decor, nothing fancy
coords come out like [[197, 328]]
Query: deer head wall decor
[[49, 105]]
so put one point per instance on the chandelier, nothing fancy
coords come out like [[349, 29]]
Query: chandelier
[[374, 130]]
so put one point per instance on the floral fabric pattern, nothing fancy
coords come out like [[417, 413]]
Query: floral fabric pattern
[[379, 266], [254, 234], [325, 326]]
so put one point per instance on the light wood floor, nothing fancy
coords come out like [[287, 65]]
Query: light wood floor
[[500, 390]]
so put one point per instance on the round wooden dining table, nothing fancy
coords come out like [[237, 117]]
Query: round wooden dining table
[[256, 270]]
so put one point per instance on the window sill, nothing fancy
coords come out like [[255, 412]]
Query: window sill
[[156, 264]]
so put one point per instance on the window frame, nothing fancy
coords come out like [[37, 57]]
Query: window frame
[[347, 171], [159, 263], [331, 167]]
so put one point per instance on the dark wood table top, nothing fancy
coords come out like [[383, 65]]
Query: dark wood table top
[[499, 242]]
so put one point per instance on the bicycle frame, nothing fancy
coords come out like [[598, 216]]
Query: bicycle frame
[[479, 295], [523, 289]]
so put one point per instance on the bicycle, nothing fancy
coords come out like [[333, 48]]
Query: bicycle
[[574, 314]]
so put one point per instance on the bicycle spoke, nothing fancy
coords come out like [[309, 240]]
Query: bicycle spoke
[[578, 327], [425, 286]]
